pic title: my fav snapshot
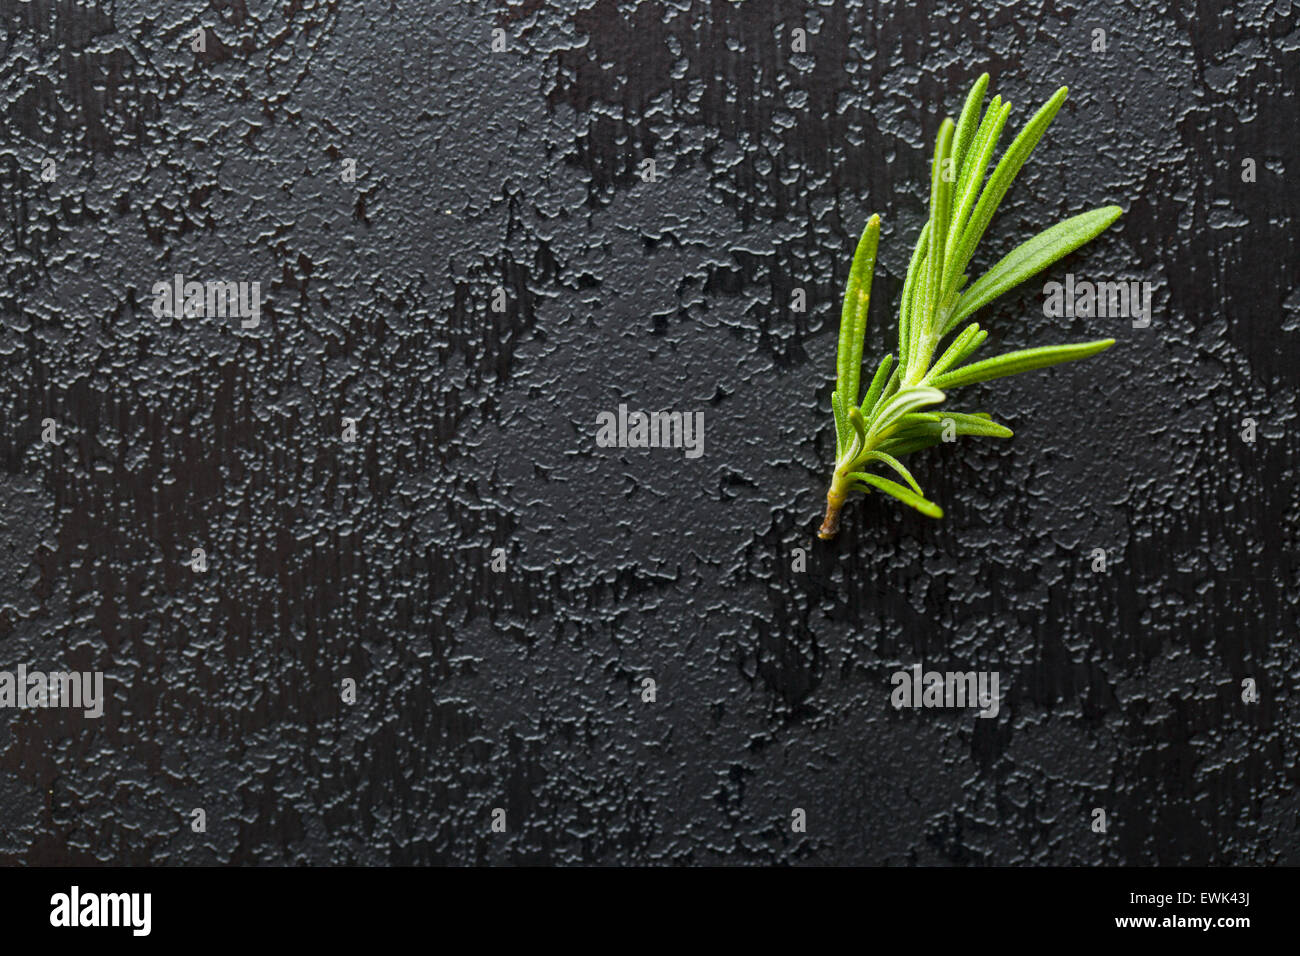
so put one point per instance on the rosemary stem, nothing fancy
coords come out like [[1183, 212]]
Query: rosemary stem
[[838, 493], [835, 498]]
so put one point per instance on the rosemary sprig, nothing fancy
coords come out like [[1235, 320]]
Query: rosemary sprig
[[891, 421]]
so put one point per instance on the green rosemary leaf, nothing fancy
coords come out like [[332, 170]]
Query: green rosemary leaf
[[877, 384], [962, 424], [971, 347], [980, 425], [905, 495], [1013, 363], [940, 205], [1008, 166], [841, 425], [859, 434], [853, 316], [907, 400], [945, 427], [1032, 257], [978, 146], [897, 465], [959, 347], [916, 315], [968, 121], [891, 389], [915, 270], [914, 417]]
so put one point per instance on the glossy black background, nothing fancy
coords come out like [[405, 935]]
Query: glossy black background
[[521, 690]]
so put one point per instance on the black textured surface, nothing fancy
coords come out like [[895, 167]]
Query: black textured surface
[[521, 690]]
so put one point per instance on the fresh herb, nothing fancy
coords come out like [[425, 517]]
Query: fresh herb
[[890, 421]]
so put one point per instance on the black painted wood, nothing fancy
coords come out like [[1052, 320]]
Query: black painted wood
[[476, 430]]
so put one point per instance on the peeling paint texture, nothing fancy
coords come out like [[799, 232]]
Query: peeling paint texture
[[522, 690]]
